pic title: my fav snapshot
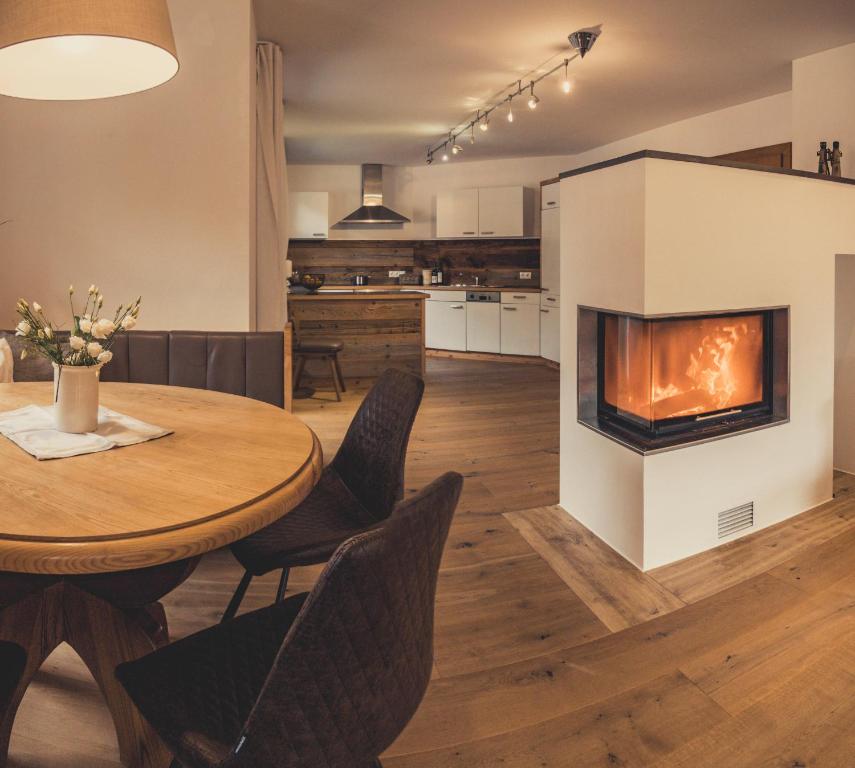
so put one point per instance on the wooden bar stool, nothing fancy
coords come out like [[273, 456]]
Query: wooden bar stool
[[320, 350]]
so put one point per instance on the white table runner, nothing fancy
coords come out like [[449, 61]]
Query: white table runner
[[33, 429]]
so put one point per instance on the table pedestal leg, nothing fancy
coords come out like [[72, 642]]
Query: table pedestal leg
[[103, 636]]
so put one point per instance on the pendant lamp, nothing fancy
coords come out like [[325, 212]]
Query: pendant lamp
[[84, 49]]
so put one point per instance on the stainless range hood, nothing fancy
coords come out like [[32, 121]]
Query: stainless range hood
[[372, 210]]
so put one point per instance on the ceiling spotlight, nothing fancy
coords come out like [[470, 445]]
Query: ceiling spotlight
[[566, 86], [484, 125], [533, 100], [445, 157], [472, 133], [430, 158], [583, 40], [510, 111], [456, 149]]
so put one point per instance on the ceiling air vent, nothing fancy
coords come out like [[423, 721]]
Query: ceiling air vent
[[734, 520]]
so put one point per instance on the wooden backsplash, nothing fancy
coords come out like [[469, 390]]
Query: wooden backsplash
[[496, 262]]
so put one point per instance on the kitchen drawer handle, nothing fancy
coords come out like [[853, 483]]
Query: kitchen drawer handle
[[468, 233], [318, 234], [550, 298], [488, 233], [517, 296], [545, 310], [551, 202], [510, 309], [457, 306], [545, 290]]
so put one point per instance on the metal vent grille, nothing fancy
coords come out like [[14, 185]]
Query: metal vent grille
[[734, 520]]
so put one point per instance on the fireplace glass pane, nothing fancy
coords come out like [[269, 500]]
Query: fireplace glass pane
[[657, 370]]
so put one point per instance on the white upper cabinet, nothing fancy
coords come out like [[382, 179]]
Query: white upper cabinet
[[550, 251], [484, 212], [549, 196], [309, 215], [500, 212], [457, 213]]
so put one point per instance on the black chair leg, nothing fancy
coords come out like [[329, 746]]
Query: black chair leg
[[237, 597], [283, 584]]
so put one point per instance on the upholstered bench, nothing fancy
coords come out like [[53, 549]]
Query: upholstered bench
[[249, 364]]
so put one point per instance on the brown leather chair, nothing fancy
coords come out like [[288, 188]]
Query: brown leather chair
[[249, 364], [357, 490], [324, 680]]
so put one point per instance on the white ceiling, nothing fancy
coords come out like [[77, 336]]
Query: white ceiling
[[378, 80]]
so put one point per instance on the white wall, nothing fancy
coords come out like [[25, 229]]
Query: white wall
[[824, 106], [757, 123], [710, 238], [144, 194], [412, 190]]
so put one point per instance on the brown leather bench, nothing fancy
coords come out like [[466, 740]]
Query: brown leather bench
[[248, 364]]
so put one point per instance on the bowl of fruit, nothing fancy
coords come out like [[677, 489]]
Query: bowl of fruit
[[312, 282]]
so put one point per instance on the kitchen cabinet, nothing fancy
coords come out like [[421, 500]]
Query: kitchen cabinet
[[457, 213], [445, 322], [520, 329], [500, 212], [309, 215], [550, 337], [484, 212], [483, 327], [549, 196], [550, 251]]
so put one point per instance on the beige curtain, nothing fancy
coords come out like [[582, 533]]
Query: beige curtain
[[271, 191]]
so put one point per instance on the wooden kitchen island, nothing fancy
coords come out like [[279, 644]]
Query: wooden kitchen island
[[379, 330]]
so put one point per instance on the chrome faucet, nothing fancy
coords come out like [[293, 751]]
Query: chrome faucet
[[477, 281]]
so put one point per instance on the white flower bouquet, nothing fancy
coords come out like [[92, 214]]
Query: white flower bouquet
[[91, 335]]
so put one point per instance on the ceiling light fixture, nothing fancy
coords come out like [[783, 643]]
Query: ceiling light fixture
[[84, 49], [581, 42], [533, 101]]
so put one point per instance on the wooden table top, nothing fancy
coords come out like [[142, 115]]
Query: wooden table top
[[232, 466]]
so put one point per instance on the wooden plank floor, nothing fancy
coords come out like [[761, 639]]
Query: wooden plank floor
[[551, 651]]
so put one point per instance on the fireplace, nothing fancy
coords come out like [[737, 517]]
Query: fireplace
[[655, 383]]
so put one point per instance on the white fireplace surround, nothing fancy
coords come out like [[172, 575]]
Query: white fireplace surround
[[654, 235]]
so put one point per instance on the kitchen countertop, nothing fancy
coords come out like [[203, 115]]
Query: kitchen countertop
[[364, 294], [423, 288]]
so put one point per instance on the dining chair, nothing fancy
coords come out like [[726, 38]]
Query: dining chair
[[13, 661], [327, 679], [356, 492]]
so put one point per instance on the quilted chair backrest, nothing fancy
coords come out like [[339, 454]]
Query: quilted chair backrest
[[372, 455], [357, 661]]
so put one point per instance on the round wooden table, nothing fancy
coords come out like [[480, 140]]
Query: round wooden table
[[90, 544]]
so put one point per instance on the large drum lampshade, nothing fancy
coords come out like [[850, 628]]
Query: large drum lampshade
[[84, 49]]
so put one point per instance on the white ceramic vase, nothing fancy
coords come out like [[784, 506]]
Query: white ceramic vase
[[75, 396]]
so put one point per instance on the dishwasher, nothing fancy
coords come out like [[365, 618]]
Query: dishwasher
[[483, 321]]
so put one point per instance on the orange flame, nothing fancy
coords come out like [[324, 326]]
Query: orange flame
[[692, 366]]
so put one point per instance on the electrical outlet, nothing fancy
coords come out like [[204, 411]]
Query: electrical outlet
[[525, 275], [396, 272]]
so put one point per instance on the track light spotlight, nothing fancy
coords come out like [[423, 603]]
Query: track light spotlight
[[510, 111], [566, 86], [485, 124], [533, 101]]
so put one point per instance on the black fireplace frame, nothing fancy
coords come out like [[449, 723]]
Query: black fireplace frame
[[667, 434]]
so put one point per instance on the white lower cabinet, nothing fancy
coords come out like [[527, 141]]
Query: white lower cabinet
[[550, 338], [483, 327], [445, 324], [520, 329]]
